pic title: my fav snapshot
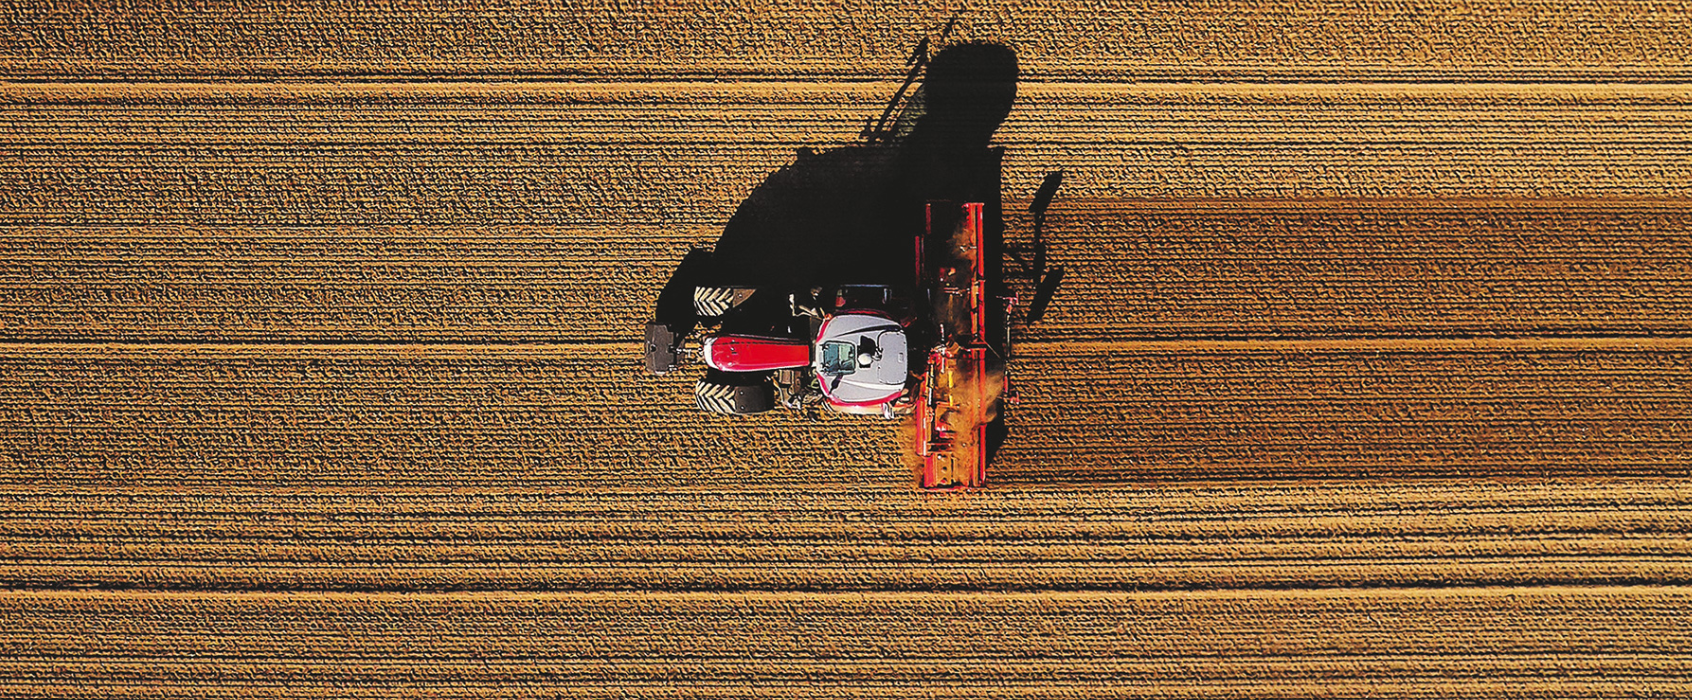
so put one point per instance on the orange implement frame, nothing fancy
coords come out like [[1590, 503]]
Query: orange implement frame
[[958, 393]]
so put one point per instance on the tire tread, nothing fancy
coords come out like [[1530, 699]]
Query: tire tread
[[712, 302]]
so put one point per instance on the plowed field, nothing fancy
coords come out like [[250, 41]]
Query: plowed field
[[1371, 374]]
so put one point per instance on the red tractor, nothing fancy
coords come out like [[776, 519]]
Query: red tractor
[[920, 351]]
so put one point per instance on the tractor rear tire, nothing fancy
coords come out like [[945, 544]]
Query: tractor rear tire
[[712, 302], [733, 400]]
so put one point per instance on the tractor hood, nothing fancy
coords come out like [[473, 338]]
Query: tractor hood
[[860, 359], [745, 353]]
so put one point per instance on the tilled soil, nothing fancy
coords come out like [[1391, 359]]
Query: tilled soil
[[1370, 373]]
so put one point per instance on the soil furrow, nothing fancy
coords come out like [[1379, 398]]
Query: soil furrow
[[1337, 40], [210, 415], [1136, 269]]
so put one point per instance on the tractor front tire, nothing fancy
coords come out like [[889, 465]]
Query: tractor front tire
[[733, 400], [712, 302]]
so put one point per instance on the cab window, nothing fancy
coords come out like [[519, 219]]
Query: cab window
[[839, 357]]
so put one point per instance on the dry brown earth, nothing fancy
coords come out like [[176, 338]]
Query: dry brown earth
[[1371, 376]]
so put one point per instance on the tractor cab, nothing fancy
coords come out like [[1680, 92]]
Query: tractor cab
[[861, 359]]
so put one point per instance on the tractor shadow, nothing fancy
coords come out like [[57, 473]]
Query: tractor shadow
[[847, 215]]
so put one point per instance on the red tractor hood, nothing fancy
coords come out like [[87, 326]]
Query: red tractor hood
[[745, 353]]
